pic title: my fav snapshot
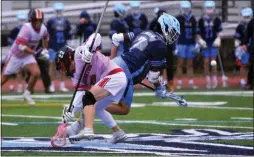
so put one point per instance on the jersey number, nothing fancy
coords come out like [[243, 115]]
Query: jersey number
[[188, 33], [209, 32], [60, 37]]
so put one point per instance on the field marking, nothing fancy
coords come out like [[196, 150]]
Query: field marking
[[242, 118], [171, 104], [138, 122], [187, 119], [8, 123], [192, 103], [211, 93]]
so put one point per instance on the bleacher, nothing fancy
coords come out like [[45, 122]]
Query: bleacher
[[74, 8]]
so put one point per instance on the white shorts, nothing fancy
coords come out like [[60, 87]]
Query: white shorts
[[13, 63], [115, 84]]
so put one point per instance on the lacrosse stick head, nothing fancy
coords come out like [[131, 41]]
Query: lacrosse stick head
[[182, 103], [59, 140]]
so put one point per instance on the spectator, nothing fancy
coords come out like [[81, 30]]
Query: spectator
[[209, 38], [136, 20], [249, 46], [86, 27], [118, 25], [242, 57], [60, 31], [186, 44]]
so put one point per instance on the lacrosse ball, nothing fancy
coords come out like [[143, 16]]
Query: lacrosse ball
[[213, 63]]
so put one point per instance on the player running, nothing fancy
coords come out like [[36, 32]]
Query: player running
[[23, 49], [108, 80]]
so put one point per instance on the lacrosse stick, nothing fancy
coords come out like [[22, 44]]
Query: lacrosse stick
[[178, 99], [224, 77], [59, 139]]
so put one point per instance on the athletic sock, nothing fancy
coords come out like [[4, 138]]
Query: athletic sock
[[75, 126], [62, 84], [106, 117], [214, 78], [191, 82], [20, 85], [27, 92], [242, 81], [179, 82], [208, 80]]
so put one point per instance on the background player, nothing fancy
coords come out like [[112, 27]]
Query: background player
[[118, 25], [59, 29], [23, 50], [186, 43], [209, 37]]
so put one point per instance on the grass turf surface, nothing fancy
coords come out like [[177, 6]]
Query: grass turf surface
[[205, 117]]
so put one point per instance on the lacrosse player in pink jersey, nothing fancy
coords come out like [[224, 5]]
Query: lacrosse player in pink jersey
[[23, 49], [109, 83]]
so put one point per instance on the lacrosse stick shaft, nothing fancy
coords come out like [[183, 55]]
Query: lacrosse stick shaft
[[149, 87], [220, 62], [82, 72]]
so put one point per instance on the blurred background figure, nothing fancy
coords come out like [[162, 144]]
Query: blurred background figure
[[86, 27], [209, 38], [242, 56], [186, 44], [60, 31], [248, 45], [22, 17], [118, 25], [136, 20]]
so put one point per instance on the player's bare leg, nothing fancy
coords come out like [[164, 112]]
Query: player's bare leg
[[214, 74], [52, 76], [118, 109], [19, 81], [180, 62], [190, 73], [4, 79], [207, 74], [242, 76], [34, 70]]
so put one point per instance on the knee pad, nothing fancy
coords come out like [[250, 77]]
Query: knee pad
[[88, 99]]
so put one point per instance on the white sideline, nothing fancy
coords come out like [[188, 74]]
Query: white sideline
[[242, 118], [140, 94], [137, 122]]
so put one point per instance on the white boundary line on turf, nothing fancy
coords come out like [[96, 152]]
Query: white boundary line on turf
[[211, 93], [169, 104], [242, 118], [137, 122]]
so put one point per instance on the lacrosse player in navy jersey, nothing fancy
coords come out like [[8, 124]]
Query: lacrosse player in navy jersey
[[118, 25], [186, 43], [209, 38], [242, 56], [59, 29]]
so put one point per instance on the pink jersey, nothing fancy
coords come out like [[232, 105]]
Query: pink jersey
[[28, 36], [100, 67]]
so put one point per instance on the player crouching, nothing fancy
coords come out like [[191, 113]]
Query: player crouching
[[109, 83]]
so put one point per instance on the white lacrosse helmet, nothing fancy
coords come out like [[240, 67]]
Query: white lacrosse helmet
[[209, 7], [97, 41], [170, 27]]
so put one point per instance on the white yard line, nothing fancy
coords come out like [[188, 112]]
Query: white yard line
[[168, 104], [8, 123], [188, 119], [242, 118], [136, 122], [211, 93], [192, 103]]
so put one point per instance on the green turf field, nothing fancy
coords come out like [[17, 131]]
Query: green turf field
[[223, 113]]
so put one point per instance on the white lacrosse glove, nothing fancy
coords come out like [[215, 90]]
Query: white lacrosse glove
[[160, 91], [117, 38], [237, 43], [67, 116], [86, 55], [153, 77], [175, 52], [44, 54], [239, 52], [217, 42], [202, 43]]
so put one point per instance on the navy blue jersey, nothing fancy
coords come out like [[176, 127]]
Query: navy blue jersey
[[147, 51], [188, 25], [239, 32], [14, 34], [248, 39], [118, 26], [60, 31], [208, 28], [85, 30], [137, 23]]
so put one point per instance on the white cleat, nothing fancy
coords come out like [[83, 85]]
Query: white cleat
[[118, 136], [83, 134], [71, 132], [19, 90], [208, 86], [63, 89], [193, 86], [215, 84], [179, 86], [28, 98], [52, 89]]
